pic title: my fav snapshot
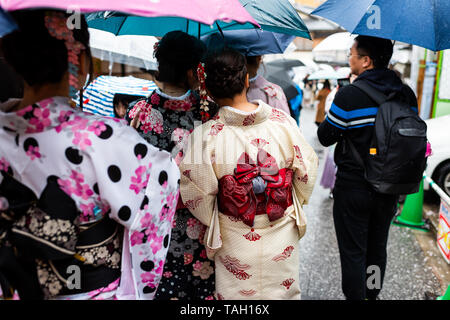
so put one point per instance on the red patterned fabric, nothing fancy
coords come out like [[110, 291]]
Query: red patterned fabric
[[236, 197]]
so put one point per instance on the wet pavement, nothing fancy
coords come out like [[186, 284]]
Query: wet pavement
[[408, 276]]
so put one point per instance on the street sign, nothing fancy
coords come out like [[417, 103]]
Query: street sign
[[443, 237]]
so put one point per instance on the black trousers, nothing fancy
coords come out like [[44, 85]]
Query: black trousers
[[362, 219]]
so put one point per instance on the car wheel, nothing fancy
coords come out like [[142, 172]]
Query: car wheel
[[443, 178]]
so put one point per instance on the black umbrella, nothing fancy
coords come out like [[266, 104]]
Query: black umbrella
[[281, 77], [285, 63]]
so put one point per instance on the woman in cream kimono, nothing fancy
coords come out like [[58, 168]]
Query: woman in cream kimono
[[246, 175]]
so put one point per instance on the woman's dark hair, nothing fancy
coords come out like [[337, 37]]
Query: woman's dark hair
[[378, 49], [252, 60], [37, 56], [326, 84], [177, 53], [226, 71]]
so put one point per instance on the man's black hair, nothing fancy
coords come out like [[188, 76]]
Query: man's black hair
[[378, 49]]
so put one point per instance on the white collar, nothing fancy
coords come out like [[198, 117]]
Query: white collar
[[183, 97]]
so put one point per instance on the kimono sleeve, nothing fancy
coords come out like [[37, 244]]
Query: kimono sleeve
[[199, 186], [140, 184], [304, 165]]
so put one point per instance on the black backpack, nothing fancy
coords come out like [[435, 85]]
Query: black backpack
[[396, 160]]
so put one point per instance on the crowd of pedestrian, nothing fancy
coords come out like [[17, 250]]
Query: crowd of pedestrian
[[195, 192]]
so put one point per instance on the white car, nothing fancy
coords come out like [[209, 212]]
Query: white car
[[438, 164]]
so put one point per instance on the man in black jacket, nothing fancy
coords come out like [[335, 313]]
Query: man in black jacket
[[361, 216]]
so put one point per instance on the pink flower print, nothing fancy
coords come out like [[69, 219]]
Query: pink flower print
[[63, 119], [209, 298], [167, 274], [46, 102], [40, 120], [4, 164], [77, 177], [24, 111], [97, 127], [84, 191], [82, 140], [33, 152], [87, 209], [147, 277], [66, 186], [197, 265], [136, 238], [191, 222], [203, 254], [271, 91], [156, 244], [137, 182], [154, 99], [146, 220], [78, 124], [151, 231], [159, 269], [177, 105]]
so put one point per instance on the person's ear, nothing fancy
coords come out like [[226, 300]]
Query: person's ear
[[192, 79], [367, 62]]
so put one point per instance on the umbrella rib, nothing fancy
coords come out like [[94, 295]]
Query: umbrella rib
[[220, 30]]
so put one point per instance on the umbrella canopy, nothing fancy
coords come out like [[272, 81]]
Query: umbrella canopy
[[271, 15], [277, 16], [424, 23], [282, 78], [324, 74], [285, 63], [132, 50], [7, 24], [253, 42], [206, 12], [98, 96]]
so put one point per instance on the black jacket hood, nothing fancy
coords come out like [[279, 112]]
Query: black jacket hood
[[384, 80]]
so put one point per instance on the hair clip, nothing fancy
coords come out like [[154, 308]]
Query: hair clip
[[201, 74], [155, 48], [56, 24]]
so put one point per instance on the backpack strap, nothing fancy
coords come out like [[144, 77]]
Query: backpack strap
[[373, 93]]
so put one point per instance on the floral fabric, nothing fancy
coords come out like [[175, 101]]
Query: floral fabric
[[270, 93], [167, 123], [256, 256], [106, 168]]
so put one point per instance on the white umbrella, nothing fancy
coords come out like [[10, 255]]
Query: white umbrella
[[132, 50], [324, 74], [334, 48]]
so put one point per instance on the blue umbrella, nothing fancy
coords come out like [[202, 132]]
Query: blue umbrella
[[250, 42], [272, 15], [424, 23], [7, 24]]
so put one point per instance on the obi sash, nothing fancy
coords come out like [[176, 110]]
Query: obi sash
[[44, 235], [256, 188]]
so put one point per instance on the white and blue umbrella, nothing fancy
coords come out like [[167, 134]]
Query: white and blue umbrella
[[98, 96]]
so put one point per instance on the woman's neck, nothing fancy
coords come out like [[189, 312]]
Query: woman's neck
[[172, 90], [35, 94], [238, 102]]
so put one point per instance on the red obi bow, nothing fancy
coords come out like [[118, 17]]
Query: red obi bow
[[236, 194]]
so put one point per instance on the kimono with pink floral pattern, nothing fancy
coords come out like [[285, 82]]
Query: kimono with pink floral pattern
[[107, 169]]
